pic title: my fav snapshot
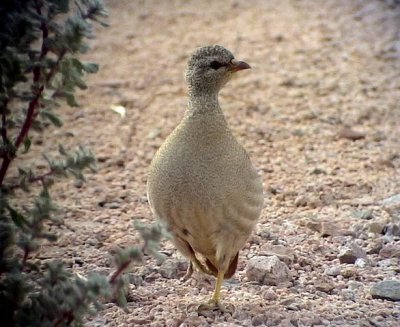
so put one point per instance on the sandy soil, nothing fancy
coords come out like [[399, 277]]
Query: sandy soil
[[317, 67]]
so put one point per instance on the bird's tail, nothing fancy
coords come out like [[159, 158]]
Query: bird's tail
[[231, 269]]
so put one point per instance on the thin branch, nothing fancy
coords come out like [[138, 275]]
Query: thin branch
[[4, 167], [69, 316], [36, 79], [33, 104], [30, 114], [39, 178], [25, 258], [55, 66], [125, 266], [4, 123], [119, 272]]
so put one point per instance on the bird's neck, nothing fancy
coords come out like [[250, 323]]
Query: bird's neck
[[203, 103]]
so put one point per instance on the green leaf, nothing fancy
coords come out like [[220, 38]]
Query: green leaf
[[27, 144], [24, 185], [23, 171], [61, 5], [37, 125], [49, 161], [62, 150], [103, 23], [49, 236], [52, 117], [57, 81], [71, 99], [75, 63], [45, 194], [18, 218], [77, 174], [90, 67]]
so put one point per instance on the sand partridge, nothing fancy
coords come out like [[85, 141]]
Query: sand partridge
[[201, 181]]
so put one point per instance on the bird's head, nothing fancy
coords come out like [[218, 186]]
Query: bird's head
[[210, 68]]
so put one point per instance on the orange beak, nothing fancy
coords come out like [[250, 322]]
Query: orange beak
[[236, 65]]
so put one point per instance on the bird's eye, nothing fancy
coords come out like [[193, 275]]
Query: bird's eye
[[215, 65]]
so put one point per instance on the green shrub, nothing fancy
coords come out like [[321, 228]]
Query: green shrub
[[39, 71]]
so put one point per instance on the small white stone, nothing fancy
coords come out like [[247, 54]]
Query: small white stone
[[361, 262]]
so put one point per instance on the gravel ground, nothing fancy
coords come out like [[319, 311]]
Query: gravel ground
[[319, 116]]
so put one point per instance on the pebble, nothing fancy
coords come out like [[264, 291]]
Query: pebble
[[375, 247], [385, 263], [350, 134], [169, 269], [290, 304], [390, 251], [349, 272], [79, 261], [347, 294], [332, 271], [269, 295], [301, 201], [347, 256], [328, 229], [240, 315], [361, 263], [314, 225], [287, 323], [376, 227], [392, 230], [267, 270], [78, 183], [354, 285], [258, 320], [112, 205], [363, 214], [387, 290], [194, 321], [318, 171], [324, 286], [135, 279]]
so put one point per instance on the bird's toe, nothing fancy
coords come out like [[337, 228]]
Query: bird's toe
[[214, 305]]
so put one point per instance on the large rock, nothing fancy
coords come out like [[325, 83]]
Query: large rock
[[376, 227], [284, 253], [172, 268], [392, 230], [390, 251], [387, 290], [392, 205], [350, 134], [267, 270], [350, 255], [324, 286]]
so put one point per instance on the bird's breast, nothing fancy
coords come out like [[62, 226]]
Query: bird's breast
[[202, 183]]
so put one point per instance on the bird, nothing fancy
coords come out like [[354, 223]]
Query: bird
[[201, 183]]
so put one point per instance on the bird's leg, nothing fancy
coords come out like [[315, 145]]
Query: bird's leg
[[217, 291], [194, 263], [189, 272], [214, 303]]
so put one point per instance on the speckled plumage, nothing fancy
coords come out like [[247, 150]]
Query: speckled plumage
[[201, 181]]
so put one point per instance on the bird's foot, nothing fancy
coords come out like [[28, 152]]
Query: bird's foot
[[214, 305], [188, 274]]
